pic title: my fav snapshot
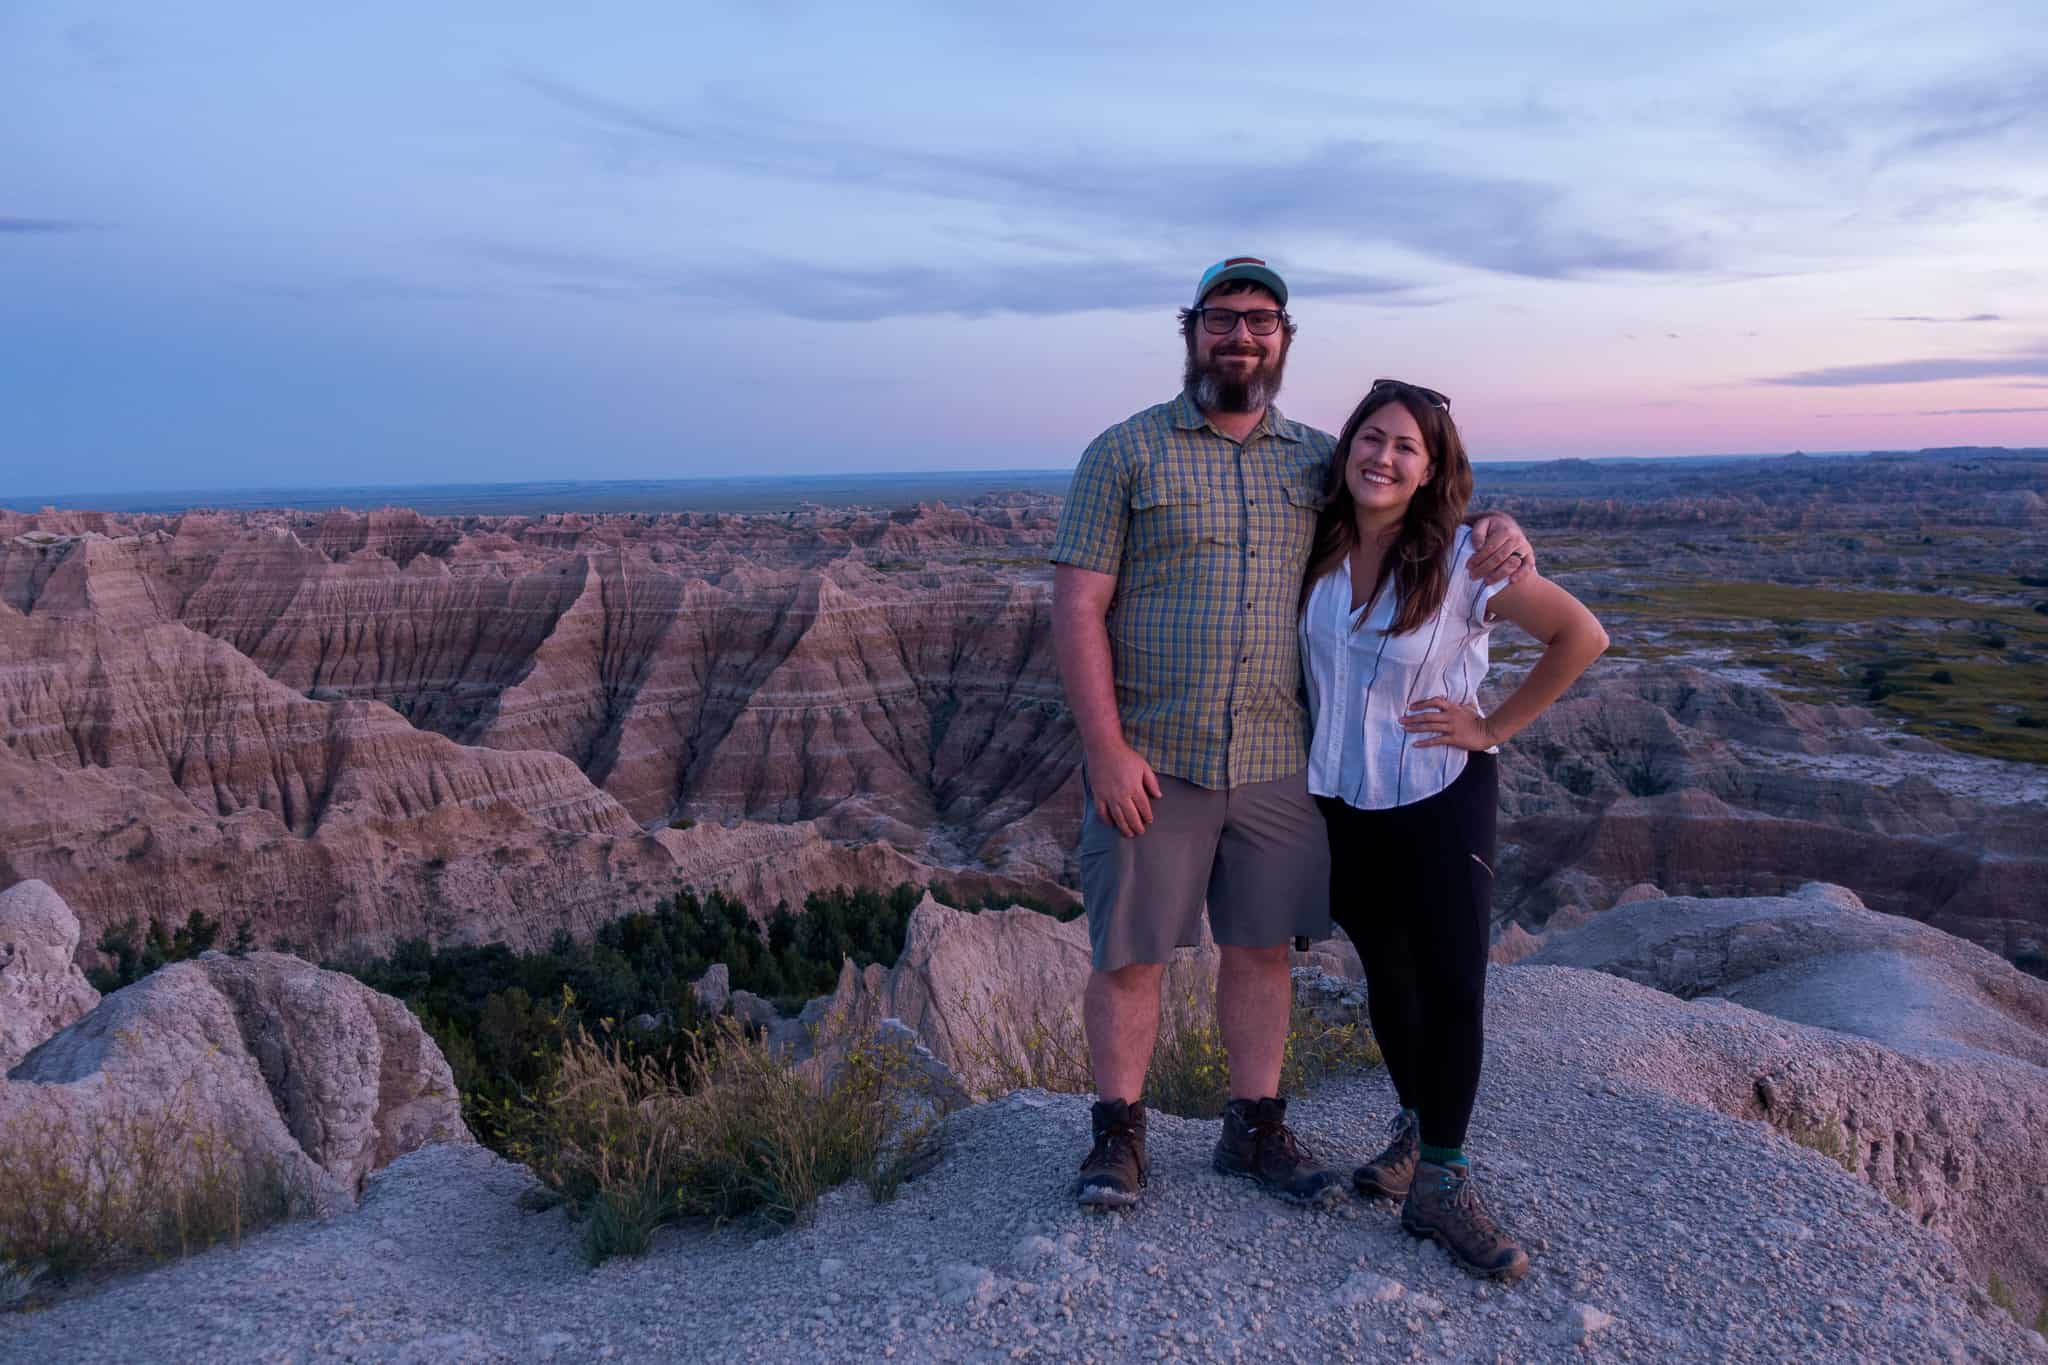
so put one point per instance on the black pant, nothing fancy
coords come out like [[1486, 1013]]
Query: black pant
[[1413, 887]]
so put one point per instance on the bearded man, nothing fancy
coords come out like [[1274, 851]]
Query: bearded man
[[1178, 565]]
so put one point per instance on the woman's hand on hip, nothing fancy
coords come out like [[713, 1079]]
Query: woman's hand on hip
[[1448, 722]]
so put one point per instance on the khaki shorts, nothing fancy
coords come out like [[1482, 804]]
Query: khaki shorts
[[1256, 854]]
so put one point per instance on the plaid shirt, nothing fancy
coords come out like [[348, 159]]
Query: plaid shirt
[[1208, 540]]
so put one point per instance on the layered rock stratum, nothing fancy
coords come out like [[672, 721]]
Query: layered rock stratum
[[345, 728]]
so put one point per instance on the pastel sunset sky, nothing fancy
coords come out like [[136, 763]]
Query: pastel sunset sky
[[248, 244]]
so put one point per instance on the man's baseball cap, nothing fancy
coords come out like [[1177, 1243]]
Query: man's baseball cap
[[1242, 268]]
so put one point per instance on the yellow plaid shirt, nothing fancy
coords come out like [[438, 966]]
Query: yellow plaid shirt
[[1208, 540]]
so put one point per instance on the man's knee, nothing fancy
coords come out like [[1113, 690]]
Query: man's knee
[[1235, 958], [1133, 978]]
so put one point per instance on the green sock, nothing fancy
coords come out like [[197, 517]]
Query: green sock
[[1443, 1156]]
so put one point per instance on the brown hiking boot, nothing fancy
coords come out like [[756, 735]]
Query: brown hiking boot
[[1115, 1168], [1443, 1206], [1388, 1175], [1258, 1144]]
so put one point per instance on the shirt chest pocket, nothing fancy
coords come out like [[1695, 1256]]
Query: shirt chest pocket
[[1171, 512]]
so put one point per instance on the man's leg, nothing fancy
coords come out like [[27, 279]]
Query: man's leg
[[1271, 883], [1120, 1012], [1254, 995]]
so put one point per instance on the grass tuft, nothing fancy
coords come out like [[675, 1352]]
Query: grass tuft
[[110, 1189], [1190, 1071], [1828, 1139], [733, 1132]]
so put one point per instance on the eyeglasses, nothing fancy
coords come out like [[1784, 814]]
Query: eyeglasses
[[1429, 396], [1260, 322]]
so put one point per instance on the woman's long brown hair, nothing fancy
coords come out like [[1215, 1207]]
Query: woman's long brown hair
[[1419, 561]]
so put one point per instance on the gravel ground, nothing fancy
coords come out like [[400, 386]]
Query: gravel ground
[[1658, 1230]]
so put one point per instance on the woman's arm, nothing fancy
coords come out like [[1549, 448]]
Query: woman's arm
[[1572, 638]]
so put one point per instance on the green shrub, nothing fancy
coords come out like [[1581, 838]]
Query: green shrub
[[137, 953]]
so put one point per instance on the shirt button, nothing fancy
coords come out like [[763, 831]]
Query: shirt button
[[1251, 502], [1254, 554]]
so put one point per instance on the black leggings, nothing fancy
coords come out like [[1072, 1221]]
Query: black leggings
[[1413, 887]]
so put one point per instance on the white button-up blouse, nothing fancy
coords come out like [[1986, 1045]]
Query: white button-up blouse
[[1361, 682]]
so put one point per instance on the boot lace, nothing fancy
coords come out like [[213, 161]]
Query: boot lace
[[1276, 1139], [1112, 1141], [1462, 1198]]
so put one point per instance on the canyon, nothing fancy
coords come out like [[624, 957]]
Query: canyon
[[338, 729]]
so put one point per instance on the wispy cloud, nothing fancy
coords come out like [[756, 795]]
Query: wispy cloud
[[863, 294], [1922, 317], [1514, 227], [2026, 364], [1973, 412], [34, 226]]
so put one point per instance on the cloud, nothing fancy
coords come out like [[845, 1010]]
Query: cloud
[[2025, 364], [1973, 412], [34, 226], [1963, 111], [1514, 227], [826, 293], [1922, 317]]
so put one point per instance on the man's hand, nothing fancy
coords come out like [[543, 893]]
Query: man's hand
[[1500, 550], [1125, 787]]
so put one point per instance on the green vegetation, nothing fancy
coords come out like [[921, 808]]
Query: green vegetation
[[503, 1017], [1189, 1071], [634, 1143], [137, 953], [1828, 1139], [1963, 672]]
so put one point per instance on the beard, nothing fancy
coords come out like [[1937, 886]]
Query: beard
[[1214, 390]]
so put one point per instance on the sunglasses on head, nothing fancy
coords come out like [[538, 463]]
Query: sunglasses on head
[[1429, 396]]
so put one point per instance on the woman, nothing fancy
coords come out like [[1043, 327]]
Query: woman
[[1393, 634]]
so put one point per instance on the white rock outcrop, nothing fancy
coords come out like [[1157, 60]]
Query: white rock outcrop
[[41, 988], [1944, 1109], [307, 1074]]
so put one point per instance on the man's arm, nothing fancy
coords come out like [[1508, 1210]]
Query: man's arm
[[1122, 780], [1500, 549]]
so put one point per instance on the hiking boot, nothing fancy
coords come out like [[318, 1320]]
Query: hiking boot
[[1258, 1144], [1114, 1170], [1443, 1206], [1388, 1175]]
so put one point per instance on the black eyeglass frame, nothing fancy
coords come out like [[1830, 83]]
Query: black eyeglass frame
[[1429, 395], [1278, 317]]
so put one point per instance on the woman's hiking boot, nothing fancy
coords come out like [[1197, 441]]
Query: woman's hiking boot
[[1114, 1170], [1258, 1144], [1388, 1175], [1443, 1205]]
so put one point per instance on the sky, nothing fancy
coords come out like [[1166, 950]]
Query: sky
[[262, 245]]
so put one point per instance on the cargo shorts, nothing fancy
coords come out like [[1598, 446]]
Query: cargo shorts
[[1256, 855]]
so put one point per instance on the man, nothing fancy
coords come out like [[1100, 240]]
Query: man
[[1178, 565]]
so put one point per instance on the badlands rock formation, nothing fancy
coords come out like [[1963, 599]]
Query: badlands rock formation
[[1948, 1117], [345, 728], [41, 988], [308, 1075], [1617, 1133]]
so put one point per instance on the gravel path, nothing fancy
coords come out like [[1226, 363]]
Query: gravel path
[[1658, 1230]]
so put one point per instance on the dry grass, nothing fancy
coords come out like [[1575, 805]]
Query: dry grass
[[1828, 1139], [733, 1133], [109, 1189], [1190, 1070]]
